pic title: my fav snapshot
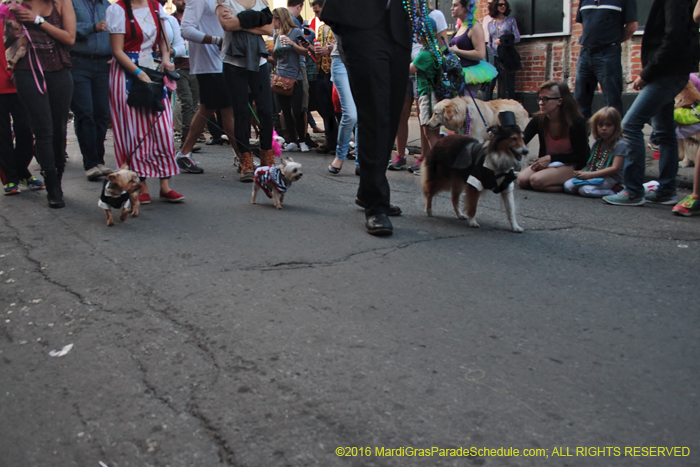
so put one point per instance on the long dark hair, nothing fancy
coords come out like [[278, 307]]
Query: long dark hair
[[569, 106], [493, 8], [130, 15]]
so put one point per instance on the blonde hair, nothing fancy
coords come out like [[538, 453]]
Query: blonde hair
[[286, 22], [613, 116]]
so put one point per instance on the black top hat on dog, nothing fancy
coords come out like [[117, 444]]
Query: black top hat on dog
[[507, 118]]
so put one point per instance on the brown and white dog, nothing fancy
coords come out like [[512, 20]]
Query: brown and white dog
[[275, 180], [461, 164], [120, 191], [14, 40], [452, 113], [688, 147]]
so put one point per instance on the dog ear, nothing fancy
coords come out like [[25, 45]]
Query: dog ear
[[112, 177], [124, 166]]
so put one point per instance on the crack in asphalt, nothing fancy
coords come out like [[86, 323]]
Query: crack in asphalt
[[226, 454]]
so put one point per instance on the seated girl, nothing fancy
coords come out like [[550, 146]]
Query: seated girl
[[563, 139], [604, 168]]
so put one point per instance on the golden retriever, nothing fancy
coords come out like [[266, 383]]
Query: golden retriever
[[452, 114]]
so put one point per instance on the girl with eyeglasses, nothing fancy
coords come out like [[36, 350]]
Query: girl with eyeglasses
[[563, 138]]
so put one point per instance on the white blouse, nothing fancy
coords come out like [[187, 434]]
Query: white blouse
[[116, 23]]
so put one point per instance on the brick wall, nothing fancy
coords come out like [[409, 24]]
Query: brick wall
[[555, 57]]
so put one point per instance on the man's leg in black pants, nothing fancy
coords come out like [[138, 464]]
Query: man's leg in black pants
[[378, 71]]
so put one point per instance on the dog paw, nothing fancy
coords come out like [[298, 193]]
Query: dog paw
[[517, 229], [278, 207], [684, 163], [462, 217], [473, 223], [429, 212]]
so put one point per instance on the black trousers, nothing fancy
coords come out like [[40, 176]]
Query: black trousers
[[378, 71], [16, 155]]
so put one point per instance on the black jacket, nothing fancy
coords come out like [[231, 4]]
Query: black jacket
[[671, 43], [366, 14], [578, 135]]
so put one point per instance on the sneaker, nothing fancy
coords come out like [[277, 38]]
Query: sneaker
[[398, 164], [690, 206], [187, 165], [304, 147], [104, 170], [415, 168], [93, 173], [624, 198], [291, 147], [172, 196], [33, 183], [656, 199], [144, 198], [11, 189]]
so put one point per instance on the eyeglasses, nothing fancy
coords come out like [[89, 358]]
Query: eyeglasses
[[546, 99], [500, 4]]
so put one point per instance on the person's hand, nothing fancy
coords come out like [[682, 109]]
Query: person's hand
[[227, 14], [144, 77], [168, 66], [101, 26], [639, 83], [22, 13], [497, 42], [541, 163], [581, 175], [285, 41], [320, 50], [453, 49]]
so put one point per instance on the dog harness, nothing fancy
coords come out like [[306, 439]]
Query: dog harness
[[113, 202], [472, 159], [266, 175]]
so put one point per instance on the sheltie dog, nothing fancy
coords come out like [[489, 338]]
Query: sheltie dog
[[461, 164]]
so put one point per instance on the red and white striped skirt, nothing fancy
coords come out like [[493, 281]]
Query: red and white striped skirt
[[145, 134]]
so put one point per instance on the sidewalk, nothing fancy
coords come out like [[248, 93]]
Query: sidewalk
[[684, 178]]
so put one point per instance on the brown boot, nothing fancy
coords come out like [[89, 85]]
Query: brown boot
[[247, 167], [267, 157]]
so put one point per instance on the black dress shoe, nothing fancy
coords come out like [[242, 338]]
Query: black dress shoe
[[215, 141], [357, 171], [379, 225], [334, 170], [393, 210]]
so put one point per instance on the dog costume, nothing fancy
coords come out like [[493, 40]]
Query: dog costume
[[472, 159], [266, 174], [113, 202]]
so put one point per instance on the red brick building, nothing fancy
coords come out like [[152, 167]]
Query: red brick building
[[549, 45]]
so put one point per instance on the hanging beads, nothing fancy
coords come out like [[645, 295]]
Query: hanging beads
[[417, 11]]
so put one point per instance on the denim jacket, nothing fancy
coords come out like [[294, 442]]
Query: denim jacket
[[87, 14]]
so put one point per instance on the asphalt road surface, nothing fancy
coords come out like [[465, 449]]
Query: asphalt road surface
[[218, 333]]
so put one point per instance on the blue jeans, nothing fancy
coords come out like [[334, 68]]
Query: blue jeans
[[90, 105], [604, 67], [348, 122], [655, 102]]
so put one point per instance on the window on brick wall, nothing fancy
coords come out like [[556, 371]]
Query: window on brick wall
[[643, 7], [542, 17]]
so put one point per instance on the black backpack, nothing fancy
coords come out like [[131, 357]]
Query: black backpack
[[450, 80]]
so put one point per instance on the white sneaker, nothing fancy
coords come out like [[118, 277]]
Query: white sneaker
[[304, 147], [291, 147]]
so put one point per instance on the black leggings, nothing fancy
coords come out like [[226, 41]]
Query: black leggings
[[48, 113], [239, 82], [15, 156], [293, 116]]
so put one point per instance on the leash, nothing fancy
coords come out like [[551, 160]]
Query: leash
[[32, 48], [479, 110]]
